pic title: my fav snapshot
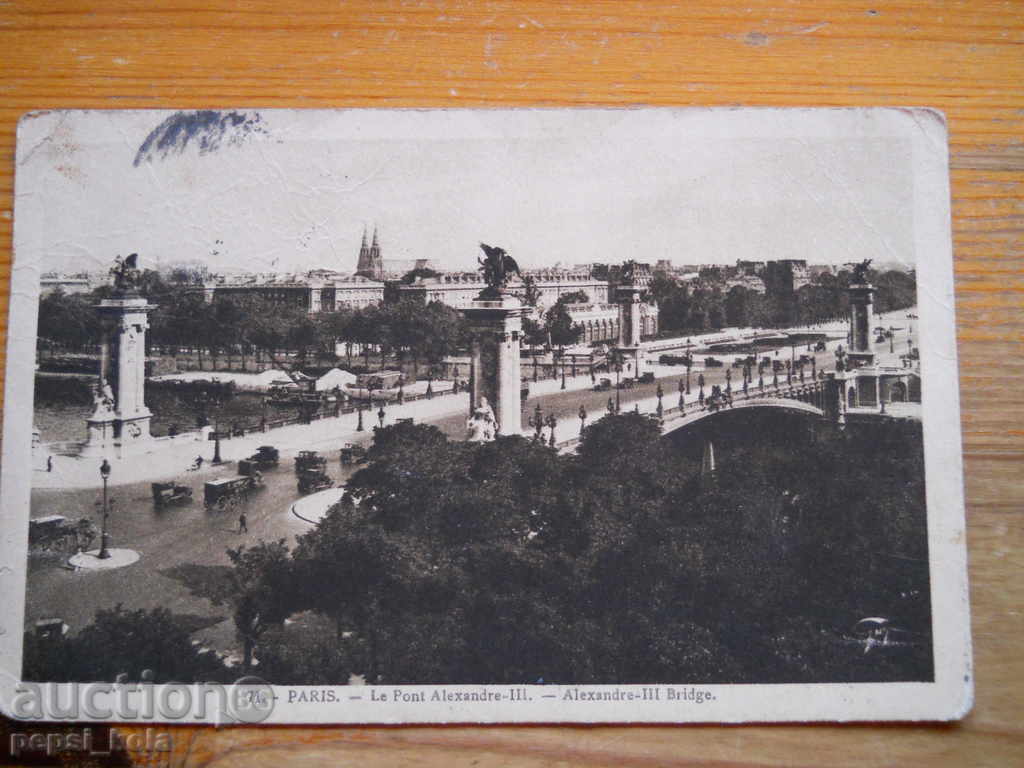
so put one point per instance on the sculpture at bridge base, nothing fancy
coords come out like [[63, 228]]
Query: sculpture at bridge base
[[119, 423], [496, 327]]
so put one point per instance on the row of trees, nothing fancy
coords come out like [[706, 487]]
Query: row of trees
[[509, 562], [707, 307], [240, 327]]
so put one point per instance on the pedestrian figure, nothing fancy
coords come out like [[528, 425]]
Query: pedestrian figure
[[380, 415], [49, 463], [242, 523]]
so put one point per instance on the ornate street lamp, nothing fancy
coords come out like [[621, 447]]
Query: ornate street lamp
[[359, 413], [401, 389], [104, 536], [552, 422], [700, 385], [615, 359], [660, 393], [537, 422], [561, 356], [728, 379], [682, 401]]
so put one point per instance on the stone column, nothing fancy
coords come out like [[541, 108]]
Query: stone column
[[630, 326], [119, 425], [496, 328], [861, 309]]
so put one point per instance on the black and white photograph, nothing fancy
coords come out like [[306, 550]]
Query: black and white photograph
[[641, 415]]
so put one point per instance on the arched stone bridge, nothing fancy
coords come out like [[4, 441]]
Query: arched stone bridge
[[673, 420], [819, 398]]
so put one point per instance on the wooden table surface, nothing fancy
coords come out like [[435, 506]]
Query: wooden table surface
[[966, 58]]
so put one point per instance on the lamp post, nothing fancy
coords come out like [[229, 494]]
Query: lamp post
[[359, 414], [561, 356], [682, 400], [728, 379], [700, 386], [552, 422], [104, 536], [660, 393], [583, 418], [537, 422], [615, 358]]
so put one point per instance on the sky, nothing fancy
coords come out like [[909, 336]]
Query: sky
[[294, 190]]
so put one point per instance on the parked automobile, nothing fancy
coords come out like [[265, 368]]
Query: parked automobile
[[351, 453], [165, 494], [712, 362], [675, 360], [603, 385], [309, 460], [266, 456], [55, 533], [313, 480], [222, 491], [647, 377], [627, 384]]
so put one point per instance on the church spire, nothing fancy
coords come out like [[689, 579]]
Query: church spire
[[370, 263]]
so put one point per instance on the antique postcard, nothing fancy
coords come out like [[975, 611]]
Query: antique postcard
[[417, 416]]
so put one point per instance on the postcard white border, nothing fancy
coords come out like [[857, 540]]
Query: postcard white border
[[950, 696]]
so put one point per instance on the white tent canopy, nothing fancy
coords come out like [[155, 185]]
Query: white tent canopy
[[335, 378]]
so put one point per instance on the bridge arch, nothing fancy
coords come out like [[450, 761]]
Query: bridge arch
[[696, 415]]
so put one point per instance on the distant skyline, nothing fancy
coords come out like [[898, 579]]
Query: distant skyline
[[296, 192]]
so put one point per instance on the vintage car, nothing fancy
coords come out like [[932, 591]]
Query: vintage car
[[165, 494], [55, 533], [713, 362], [602, 385], [225, 490], [266, 456], [309, 460], [351, 453], [819, 347], [647, 377], [313, 480], [627, 384]]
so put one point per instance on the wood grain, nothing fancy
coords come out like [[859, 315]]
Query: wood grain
[[964, 58]]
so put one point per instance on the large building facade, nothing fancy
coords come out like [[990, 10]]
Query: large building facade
[[314, 291], [599, 315]]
